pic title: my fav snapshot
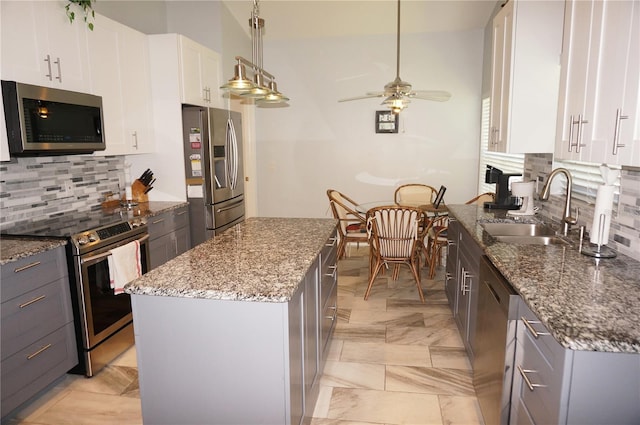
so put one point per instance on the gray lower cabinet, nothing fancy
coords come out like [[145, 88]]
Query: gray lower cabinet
[[462, 282], [38, 336], [205, 361], [555, 385], [168, 235], [451, 269]]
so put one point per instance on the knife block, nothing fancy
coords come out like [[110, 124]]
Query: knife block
[[137, 191]]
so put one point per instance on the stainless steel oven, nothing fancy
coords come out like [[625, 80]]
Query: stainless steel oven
[[105, 325]]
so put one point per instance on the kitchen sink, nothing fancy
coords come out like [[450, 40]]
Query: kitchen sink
[[523, 233], [518, 229], [532, 240]]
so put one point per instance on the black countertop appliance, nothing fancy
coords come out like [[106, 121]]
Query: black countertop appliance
[[503, 200]]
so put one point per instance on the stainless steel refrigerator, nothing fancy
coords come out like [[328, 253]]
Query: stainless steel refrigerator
[[214, 171]]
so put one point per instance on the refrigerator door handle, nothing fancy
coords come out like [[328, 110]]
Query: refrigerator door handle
[[232, 155]]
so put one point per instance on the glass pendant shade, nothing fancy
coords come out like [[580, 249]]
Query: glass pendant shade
[[239, 84], [259, 90], [396, 104], [274, 96]]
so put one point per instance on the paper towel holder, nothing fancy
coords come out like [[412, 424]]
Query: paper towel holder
[[598, 250]]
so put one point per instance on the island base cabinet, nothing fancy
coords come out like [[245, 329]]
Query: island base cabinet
[[206, 361]]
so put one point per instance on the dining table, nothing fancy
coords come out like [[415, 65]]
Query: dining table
[[430, 209]]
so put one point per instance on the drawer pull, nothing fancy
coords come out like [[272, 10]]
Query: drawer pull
[[28, 266], [332, 242], [35, 300], [333, 271], [40, 351], [524, 372], [335, 312], [157, 221], [181, 213], [535, 333]]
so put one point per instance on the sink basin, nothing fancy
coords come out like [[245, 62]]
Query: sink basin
[[522, 233], [518, 229], [532, 240]]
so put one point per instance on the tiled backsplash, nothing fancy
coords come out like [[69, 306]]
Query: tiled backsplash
[[34, 187], [625, 222]]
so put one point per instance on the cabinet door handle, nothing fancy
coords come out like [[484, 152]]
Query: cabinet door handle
[[571, 123], [448, 277], [157, 221], [48, 61], [40, 351], [35, 300], [333, 271], [28, 266], [616, 132], [528, 325], [578, 143], [332, 241], [181, 213], [527, 381], [135, 139], [59, 77]]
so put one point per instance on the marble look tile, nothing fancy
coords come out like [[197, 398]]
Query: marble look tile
[[115, 380], [363, 333], [353, 375], [450, 357], [430, 380], [87, 408], [335, 349], [389, 318], [460, 410], [359, 303], [384, 407], [325, 421], [437, 331], [390, 354]]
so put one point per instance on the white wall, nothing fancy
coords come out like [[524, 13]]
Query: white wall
[[318, 143]]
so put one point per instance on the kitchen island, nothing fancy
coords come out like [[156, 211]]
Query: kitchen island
[[576, 353], [235, 330]]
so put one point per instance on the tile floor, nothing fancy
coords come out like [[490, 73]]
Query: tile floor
[[392, 361]]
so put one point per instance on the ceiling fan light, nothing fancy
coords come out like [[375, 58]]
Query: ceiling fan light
[[239, 84]]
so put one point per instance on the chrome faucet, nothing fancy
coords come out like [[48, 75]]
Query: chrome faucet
[[567, 219]]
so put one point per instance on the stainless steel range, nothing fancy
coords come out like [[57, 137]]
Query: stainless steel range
[[104, 323]]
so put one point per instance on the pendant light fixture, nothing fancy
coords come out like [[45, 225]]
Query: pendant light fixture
[[262, 87]]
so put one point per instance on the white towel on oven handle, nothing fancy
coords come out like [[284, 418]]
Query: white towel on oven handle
[[124, 265]]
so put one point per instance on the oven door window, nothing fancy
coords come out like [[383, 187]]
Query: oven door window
[[105, 312]]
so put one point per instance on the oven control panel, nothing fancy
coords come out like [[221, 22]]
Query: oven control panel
[[106, 234]]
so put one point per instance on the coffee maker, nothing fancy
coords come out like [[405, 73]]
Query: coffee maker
[[503, 200], [522, 193]]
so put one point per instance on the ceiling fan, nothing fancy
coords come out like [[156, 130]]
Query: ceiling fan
[[398, 93]]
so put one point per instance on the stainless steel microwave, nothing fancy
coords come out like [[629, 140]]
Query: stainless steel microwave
[[47, 121]]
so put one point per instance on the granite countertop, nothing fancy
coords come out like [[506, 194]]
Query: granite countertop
[[260, 259], [14, 248], [587, 304]]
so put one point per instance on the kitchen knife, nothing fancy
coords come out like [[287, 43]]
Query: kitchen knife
[[148, 189]]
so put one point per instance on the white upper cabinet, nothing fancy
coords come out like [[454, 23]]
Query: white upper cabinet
[[598, 113], [527, 42], [200, 70], [119, 60], [41, 47]]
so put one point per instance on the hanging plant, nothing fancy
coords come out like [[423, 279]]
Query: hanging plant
[[86, 7]]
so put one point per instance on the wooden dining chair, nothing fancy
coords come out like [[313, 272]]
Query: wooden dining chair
[[414, 194], [435, 238], [352, 225], [395, 240], [482, 198]]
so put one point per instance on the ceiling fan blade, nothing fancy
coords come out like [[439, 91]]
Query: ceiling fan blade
[[367, 96], [435, 95]]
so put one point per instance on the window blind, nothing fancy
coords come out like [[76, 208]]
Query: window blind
[[508, 163], [586, 178]]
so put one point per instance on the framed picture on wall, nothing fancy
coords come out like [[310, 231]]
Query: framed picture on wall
[[386, 122]]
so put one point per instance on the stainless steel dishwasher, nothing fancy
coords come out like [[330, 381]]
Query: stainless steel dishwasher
[[495, 336]]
